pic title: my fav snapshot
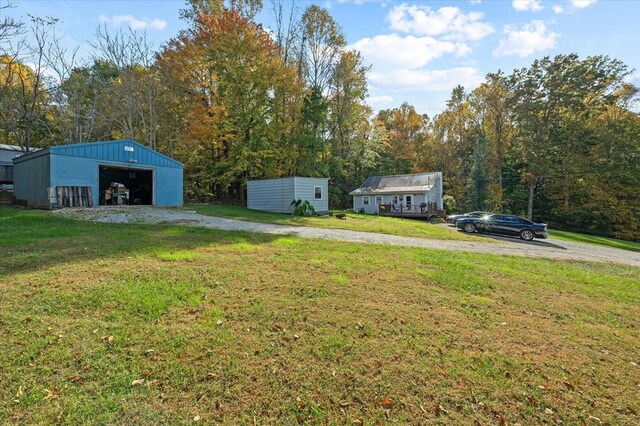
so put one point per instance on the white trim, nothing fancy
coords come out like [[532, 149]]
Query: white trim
[[368, 200], [314, 193]]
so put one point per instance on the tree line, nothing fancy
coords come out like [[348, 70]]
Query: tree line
[[556, 141]]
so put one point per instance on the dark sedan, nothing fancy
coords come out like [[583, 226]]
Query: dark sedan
[[503, 224], [453, 218]]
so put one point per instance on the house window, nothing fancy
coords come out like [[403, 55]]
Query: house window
[[317, 191], [365, 200], [395, 199], [408, 199], [378, 200]]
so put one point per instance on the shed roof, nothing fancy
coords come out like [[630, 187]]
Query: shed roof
[[418, 182], [114, 151], [6, 147]]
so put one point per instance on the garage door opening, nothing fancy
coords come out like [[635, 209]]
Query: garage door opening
[[121, 186]]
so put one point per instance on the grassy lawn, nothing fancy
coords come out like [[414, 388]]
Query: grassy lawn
[[389, 225], [593, 239], [124, 324], [354, 222]]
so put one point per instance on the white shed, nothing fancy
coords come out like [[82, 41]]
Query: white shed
[[276, 195]]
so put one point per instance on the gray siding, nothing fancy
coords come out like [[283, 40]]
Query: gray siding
[[276, 195], [305, 191], [7, 155], [32, 181], [271, 195]]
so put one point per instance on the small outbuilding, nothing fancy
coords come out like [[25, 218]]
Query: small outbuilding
[[276, 195], [7, 154], [97, 173], [418, 194]]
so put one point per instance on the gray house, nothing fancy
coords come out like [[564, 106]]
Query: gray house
[[413, 194], [276, 195]]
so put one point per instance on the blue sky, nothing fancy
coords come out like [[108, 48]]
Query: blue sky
[[418, 50]]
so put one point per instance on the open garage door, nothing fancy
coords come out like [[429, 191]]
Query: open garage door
[[137, 184]]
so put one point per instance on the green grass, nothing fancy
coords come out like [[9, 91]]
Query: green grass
[[354, 222], [593, 239], [389, 225], [242, 328]]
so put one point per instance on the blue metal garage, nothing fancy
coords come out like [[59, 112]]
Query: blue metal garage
[[97, 173]]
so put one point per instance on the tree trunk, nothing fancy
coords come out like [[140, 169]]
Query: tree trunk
[[532, 187], [566, 189]]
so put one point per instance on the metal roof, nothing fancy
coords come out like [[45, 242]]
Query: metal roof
[[123, 150], [6, 147], [418, 182]]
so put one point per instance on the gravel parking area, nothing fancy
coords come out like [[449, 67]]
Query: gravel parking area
[[550, 248]]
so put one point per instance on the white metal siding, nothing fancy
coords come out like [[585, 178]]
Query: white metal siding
[[272, 195], [305, 191]]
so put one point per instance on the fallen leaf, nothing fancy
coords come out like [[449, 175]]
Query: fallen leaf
[[388, 402], [51, 394], [502, 420], [75, 379], [137, 382], [20, 392], [440, 410], [219, 322], [196, 419]]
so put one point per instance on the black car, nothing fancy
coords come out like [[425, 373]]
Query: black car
[[453, 218], [503, 224]]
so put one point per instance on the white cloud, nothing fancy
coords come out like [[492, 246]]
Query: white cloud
[[558, 9], [378, 102], [633, 79], [450, 23], [523, 5], [475, 1], [525, 40], [581, 4], [133, 23], [417, 81], [393, 51]]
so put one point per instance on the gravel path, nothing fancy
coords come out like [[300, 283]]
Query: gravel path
[[550, 248]]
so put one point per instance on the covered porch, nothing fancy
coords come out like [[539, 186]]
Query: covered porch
[[422, 210]]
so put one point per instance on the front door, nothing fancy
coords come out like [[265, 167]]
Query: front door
[[408, 201]]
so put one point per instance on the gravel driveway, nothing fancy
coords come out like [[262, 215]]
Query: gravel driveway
[[550, 248]]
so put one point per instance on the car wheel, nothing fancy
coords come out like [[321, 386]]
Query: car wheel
[[469, 228], [527, 234]]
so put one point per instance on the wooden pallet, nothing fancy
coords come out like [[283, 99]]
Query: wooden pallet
[[74, 196]]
